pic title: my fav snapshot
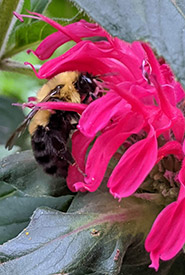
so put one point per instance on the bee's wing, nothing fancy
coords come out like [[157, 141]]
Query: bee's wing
[[20, 129]]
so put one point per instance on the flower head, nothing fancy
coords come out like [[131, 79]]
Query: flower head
[[139, 121]]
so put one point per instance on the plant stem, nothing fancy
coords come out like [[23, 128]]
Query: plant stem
[[14, 66]]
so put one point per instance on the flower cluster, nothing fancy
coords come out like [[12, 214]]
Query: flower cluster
[[141, 114]]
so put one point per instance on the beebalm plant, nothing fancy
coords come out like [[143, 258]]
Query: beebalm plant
[[128, 180]]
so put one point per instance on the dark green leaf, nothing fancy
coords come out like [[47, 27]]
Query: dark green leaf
[[93, 240], [134, 263], [10, 117], [16, 209], [151, 21], [178, 265], [6, 189], [22, 172]]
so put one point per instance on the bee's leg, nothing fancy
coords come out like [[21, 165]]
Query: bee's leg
[[64, 154], [94, 97], [73, 126], [61, 150], [90, 94]]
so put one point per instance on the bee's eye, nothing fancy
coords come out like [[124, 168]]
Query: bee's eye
[[59, 87], [85, 80], [56, 90], [85, 84]]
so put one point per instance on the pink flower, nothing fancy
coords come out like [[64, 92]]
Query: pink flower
[[141, 101], [139, 120]]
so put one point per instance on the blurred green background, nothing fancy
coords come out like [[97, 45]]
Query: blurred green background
[[20, 86]]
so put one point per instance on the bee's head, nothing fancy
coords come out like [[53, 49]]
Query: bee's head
[[56, 92], [86, 84]]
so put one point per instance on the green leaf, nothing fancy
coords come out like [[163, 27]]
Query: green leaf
[[93, 240], [16, 209], [26, 36], [39, 6], [4, 152], [102, 237], [22, 172], [151, 21], [31, 32], [7, 20], [5, 189], [10, 117]]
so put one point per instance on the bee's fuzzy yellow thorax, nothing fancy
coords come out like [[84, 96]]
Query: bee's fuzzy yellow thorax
[[41, 118], [68, 92]]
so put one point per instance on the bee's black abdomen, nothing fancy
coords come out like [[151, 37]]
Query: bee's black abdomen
[[49, 144], [51, 170], [43, 159]]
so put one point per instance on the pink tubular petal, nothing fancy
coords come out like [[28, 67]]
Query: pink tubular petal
[[143, 93], [57, 26], [181, 192], [55, 40], [155, 261], [173, 244], [181, 175], [170, 94], [66, 106], [165, 105], [178, 125], [80, 144], [166, 237], [137, 105], [32, 98], [80, 56], [33, 68], [171, 147], [106, 145], [133, 167], [99, 55], [170, 80], [179, 92], [99, 113], [20, 16], [183, 146], [154, 239], [131, 55], [154, 63], [161, 123]]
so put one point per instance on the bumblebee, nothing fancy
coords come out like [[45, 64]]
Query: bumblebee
[[50, 131]]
